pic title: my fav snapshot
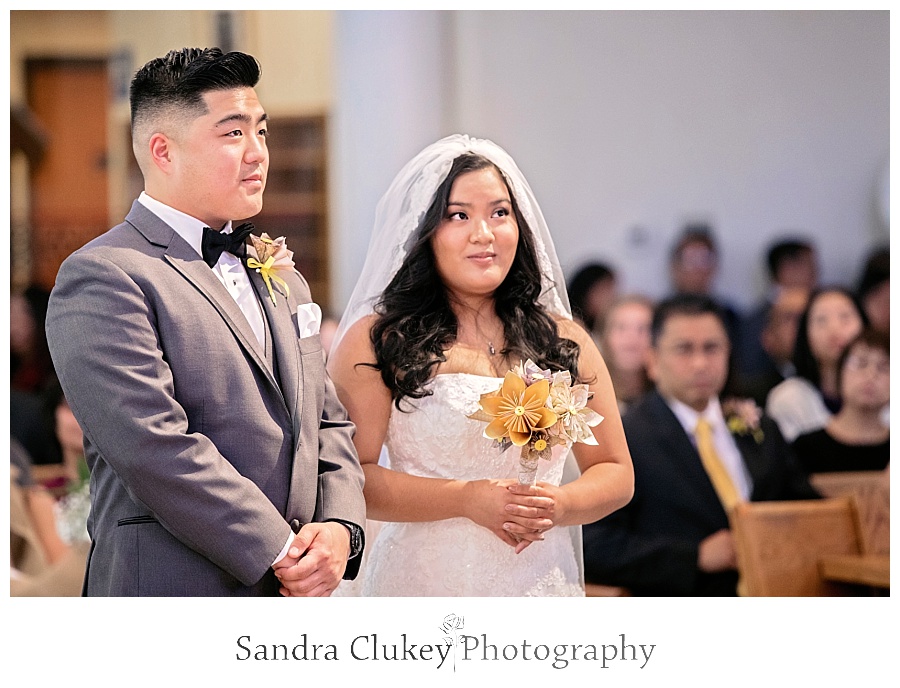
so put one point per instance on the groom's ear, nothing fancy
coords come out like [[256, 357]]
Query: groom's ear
[[161, 149]]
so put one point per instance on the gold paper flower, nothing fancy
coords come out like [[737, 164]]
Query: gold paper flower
[[516, 411], [272, 254]]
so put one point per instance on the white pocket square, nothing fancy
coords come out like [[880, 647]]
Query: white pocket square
[[308, 318]]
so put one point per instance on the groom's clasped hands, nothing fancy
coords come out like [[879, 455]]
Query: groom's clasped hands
[[517, 514], [316, 560]]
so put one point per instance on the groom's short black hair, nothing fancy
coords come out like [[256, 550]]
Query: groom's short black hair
[[181, 77]]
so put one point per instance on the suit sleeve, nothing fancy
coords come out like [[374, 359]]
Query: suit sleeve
[[616, 553], [341, 477], [792, 479], [102, 333], [623, 549]]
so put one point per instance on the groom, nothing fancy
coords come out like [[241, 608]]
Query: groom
[[221, 459]]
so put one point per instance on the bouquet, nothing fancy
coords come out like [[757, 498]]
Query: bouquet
[[537, 410]]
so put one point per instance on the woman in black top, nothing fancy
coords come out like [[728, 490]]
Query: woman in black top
[[856, 438]]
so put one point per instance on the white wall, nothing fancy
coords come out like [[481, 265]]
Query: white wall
[[759, 122], [388, 99]]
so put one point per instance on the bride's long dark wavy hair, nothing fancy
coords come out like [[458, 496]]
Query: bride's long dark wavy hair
[[416, 323]]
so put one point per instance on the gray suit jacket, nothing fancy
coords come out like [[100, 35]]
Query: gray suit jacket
[[201, 456]]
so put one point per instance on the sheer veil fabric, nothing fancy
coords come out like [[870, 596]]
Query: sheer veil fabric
[[397, 219], [403, 206]]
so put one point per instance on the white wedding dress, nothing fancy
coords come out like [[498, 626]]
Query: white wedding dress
[[456, 557]]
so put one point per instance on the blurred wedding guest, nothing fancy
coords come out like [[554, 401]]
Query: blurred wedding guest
[[41, 562], [30, 425], [695, 456], [855, 438], [806, 401], [792, 263], [30, 363], [625, 343], [874, 290], [592, 290], [777, 339], [71, 471], [693, 267]]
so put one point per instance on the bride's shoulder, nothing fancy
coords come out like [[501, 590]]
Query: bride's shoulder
[[363, 326], [590, 356], [356, 344], [570, 329]]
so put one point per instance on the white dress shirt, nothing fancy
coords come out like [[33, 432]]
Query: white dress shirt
[[228, 269], [725, 445]]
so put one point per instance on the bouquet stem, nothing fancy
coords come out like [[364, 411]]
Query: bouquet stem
[[527, 469]]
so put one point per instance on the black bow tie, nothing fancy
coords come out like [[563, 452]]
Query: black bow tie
[[215, 242]]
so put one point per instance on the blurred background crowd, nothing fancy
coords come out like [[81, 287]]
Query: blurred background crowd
[[741, 156]]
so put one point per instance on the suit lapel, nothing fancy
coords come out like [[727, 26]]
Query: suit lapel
[[284, 340], [754, 458], [180, 255]]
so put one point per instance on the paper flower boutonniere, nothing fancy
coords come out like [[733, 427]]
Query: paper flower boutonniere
[[537, 410], [272, 255], [742, 417]]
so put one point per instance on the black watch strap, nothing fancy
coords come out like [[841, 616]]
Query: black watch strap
[[356, 537]]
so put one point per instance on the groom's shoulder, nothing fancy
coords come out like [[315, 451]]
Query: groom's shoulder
[[140, 235], [121, 245]]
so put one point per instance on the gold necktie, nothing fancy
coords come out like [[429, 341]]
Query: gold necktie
[[719, 476]]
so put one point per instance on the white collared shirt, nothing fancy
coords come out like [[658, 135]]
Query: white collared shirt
[[725, 445], [229, 269]]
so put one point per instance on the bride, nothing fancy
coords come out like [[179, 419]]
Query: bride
[[461, 283]]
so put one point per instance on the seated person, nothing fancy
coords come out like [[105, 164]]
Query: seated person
[[591, 292], [855, 438], [624, 343], [806, 401], [792, 264], [874, 289], [673, 538], [41, 563], [777, 339]]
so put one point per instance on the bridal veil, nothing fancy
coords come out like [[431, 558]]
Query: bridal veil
[[403, 206]]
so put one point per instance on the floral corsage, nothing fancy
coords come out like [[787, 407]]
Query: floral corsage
[[742, 417], [272, 255], [537, 410]]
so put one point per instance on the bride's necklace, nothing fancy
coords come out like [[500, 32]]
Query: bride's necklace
[[477, 339]]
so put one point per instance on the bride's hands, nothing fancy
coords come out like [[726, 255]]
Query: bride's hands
[[517, 514]]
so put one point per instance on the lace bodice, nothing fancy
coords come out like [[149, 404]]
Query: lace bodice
[[437, 440], [456, 557]]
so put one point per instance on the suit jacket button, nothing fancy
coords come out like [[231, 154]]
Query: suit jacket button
[[295, 525]]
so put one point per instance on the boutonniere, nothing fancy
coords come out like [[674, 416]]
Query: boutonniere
[[742, 417], [272, 255]]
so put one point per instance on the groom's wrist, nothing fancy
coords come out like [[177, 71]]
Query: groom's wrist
[[284, 550]]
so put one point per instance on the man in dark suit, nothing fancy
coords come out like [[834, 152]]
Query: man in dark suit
[[692, 462], [221, 460]]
